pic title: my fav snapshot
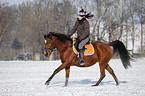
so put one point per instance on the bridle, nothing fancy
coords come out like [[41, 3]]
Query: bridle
[[50, 50]]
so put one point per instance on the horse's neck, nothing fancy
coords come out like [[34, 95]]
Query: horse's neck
[[60, 45]]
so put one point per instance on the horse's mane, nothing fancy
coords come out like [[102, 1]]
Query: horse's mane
[[60, 36]]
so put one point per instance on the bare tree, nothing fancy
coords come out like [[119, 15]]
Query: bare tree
[[6, 19], [140, 10], [43, 16], [7, 24]]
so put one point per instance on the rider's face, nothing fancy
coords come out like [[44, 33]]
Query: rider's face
[[80, 18]]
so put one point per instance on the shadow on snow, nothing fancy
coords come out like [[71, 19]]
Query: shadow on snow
[[88, 81]]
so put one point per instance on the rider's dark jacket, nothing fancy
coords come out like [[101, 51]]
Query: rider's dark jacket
[[82, 27]]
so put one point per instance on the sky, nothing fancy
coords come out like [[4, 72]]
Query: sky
[[11, 2]]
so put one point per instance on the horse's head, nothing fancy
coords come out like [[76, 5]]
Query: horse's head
[[55, 40], [48, 43]]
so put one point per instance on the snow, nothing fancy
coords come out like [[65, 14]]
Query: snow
[[27, 78]]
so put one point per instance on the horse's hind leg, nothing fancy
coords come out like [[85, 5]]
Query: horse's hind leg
[[67, 70], [110, 70], [102, 71]]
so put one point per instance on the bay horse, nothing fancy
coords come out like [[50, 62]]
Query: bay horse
[[103, 53]]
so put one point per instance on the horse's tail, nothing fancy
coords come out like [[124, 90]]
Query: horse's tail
[[119, 47]]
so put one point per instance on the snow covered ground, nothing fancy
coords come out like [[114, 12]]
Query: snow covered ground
[[27, 78]]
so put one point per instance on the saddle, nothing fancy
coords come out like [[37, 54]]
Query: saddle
[[88, 48]]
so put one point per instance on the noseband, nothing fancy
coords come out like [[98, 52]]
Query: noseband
[[50, 49]]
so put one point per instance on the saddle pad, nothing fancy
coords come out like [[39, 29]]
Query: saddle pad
[[89, 49]]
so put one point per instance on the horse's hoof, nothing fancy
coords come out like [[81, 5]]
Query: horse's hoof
[[117, 84], [47, 83], [94, 85], [65, 86]]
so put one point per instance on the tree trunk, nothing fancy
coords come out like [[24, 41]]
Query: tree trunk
[[133, 37], [142, 40], [126, 35]]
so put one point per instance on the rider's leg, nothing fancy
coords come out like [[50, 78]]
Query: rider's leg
[[81, 50], [81, 55]]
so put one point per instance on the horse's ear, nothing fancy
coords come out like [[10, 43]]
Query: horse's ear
[[50, 34], [43, 34]]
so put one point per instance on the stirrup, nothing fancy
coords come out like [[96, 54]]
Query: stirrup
[[82, 63]]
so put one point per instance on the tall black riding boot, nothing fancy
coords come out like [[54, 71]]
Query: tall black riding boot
[[81, 55]]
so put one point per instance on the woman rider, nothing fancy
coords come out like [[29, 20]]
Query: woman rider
[[83, 32]]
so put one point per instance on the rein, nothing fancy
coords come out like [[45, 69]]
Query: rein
[[65, 47], [50, 50]]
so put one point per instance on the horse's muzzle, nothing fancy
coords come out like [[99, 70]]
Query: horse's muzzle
[[45, 53]]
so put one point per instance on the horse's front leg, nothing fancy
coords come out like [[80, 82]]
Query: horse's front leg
[[54, 73], [67, 70]]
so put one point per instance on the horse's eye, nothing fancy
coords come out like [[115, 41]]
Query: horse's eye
[[45, 41]]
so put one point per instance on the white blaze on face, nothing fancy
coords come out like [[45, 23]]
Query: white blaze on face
[[45, 41]]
